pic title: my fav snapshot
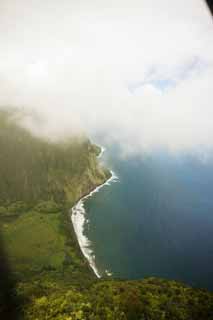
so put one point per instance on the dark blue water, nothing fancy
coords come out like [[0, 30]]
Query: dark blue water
[[157, 220]]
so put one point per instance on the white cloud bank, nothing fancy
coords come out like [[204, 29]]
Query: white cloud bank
[[140, 72]]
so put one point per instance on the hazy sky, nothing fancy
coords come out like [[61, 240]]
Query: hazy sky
[[138, 71]]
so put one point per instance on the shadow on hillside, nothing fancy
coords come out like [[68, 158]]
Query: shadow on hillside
[[9, 308]]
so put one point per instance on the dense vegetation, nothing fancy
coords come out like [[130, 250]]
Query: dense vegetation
[[44, 275], [153, 299]]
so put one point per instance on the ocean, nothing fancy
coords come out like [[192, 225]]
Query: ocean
[[156, 219]]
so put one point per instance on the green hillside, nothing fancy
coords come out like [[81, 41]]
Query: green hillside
[[32, 169], [42, 272]]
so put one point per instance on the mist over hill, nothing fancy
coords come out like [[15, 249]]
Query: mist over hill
[[138, 72]]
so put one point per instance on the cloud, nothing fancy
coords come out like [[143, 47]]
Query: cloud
[[138, 72]]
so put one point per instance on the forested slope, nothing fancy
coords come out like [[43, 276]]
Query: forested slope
[[40, 181], [32, 168]]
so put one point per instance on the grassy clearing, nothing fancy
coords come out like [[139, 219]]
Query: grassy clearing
[[33, 241]]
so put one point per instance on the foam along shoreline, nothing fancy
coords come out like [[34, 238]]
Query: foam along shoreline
[[78, 217], [102, 152]]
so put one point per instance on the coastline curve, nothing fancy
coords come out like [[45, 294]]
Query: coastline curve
[[78, 218]]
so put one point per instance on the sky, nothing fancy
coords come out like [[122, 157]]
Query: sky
[[138, 72]]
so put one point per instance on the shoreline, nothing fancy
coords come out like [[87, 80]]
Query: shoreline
[[78, 218]]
